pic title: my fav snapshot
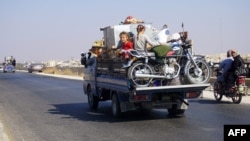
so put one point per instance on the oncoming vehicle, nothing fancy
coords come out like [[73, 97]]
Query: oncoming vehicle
[[9, 64], [1, 66], [105, 79], [35, 67]]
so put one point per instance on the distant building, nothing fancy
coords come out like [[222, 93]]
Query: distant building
[[51, 63], [69, 63]]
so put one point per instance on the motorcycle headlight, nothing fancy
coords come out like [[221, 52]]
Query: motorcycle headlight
[[175, 44]]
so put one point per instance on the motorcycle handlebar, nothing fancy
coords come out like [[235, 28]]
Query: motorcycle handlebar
[[173, 40]]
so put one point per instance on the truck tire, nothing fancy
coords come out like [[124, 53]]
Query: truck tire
[[174, 111], [116, 109], [92, 100]]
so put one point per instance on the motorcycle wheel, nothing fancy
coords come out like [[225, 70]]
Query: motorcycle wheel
[[198, 75], [237, 98], [217, 95], [142, 68]]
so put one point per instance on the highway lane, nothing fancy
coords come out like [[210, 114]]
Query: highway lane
[[42, 108]]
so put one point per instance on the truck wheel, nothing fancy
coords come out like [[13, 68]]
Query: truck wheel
[[174, 111], [92, 100], [116, 110]]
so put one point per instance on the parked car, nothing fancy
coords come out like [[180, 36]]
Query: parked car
[[38, 67]]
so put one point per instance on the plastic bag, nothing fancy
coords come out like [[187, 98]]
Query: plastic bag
[[242, 70]]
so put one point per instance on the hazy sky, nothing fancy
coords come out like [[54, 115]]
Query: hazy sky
[[41, 30]]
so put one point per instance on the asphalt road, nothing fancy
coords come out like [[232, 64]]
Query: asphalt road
[[43, 108]]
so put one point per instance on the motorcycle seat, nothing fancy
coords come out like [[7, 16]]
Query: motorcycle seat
[[149, 54]]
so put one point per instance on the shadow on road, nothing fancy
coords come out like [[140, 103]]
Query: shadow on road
[[81, 111], [209, 101]]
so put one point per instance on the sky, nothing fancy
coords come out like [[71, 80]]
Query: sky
[[43, 30]]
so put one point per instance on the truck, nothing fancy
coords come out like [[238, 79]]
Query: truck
[[104, 79], [9, 64]]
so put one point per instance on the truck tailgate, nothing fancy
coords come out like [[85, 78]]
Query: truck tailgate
[[174, 88]]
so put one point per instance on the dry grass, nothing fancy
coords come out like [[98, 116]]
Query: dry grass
[[50, 70], [62, 71]]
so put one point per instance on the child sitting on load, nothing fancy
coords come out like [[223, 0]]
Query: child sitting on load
[[126, 45], [141, 41]]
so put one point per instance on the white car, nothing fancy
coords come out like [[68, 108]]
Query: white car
[[38, 67]]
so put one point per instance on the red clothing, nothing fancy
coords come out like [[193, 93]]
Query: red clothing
[[127, 46]]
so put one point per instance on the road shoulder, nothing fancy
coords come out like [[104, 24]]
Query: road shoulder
[[3, 134]]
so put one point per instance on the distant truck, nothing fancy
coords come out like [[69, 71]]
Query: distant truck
[[9, 64], [104, 79]]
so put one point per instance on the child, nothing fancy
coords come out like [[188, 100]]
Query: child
[[142, 41], [126, 46]]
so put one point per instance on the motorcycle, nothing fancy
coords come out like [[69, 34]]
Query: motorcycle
[[236, 92], [179, 63]]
